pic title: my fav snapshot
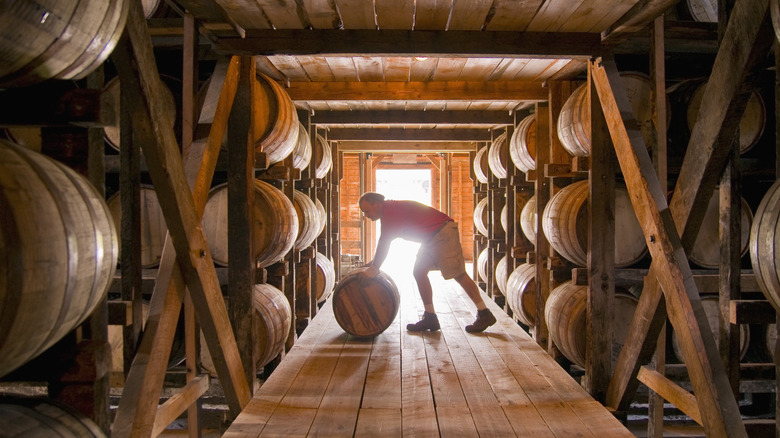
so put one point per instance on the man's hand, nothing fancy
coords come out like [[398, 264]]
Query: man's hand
[[368, 271]]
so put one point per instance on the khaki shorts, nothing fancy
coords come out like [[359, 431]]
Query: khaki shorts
[[444, 252]]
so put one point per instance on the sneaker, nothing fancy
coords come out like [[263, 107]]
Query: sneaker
[[484, 320], [429, 321]]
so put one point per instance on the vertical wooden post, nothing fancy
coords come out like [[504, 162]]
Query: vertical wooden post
[[334, 207], [655, 422], [241, 193], [543, 189], [601, 253], [511, 214]]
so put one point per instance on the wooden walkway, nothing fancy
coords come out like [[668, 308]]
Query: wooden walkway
[[448, 383]]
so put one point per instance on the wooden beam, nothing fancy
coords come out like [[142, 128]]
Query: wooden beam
[[323, 118], [739, 59], [713, 392], [636, 19], [415, 135], [387, 42], [136, 66], [682, 399], [179, 402], [442, 90], [420, 147]]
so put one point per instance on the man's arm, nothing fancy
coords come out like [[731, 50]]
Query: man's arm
[[380, 254]]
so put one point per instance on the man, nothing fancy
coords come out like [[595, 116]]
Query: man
[[440, 249]]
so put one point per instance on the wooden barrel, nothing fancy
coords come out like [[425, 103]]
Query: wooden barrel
[[110, 109], [574, 121], [481, 167], [481, 216], [153, 227], [29, 137], [302, 151], [522, 147], [528, 219], [497, 157], [520, 202], [521, 293], [764, 232], [751, 125], [275, 224], [274, 318], [710, 304], [326, 277], [322, 157], [482, 264], [706, 248], [501, 275], [565, 224], [36, 417], [770, 339], [702, 10], [774, 8], [280, 120], [116, 341], [365, 308], [58, 253], [565, 314], [57, 39], [310, 221]]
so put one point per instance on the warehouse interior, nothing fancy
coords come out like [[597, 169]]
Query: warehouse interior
[[617, 213]]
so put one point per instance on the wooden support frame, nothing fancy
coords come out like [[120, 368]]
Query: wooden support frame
[[713, 394], [749, 38], [137, 69]]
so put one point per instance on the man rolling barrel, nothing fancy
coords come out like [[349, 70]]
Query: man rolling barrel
[[440, 249]]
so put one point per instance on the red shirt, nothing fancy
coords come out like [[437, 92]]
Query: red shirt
[[411, 220]]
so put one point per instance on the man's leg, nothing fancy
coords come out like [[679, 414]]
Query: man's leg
[[429, 320], [485, 317]]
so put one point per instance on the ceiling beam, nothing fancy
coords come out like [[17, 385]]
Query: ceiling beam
[[411, 117], [413, 135], [442, 90], [636, 19], [420, 147], [355, 42]]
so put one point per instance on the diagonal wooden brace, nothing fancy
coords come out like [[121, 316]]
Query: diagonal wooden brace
[[717, 404], [742, 52], [136, 66]]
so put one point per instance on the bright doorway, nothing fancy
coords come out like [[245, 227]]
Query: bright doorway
[[413, 184]]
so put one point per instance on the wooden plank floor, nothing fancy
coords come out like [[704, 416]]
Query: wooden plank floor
[[447, 383]]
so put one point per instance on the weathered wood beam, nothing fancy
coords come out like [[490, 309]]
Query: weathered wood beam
[[387, 42], [420, 147], [442, 90], [398, 117], [179, 402], [137, 68], [671, 391], [739, 59], [636, 19], [402, 134], [716, 402]]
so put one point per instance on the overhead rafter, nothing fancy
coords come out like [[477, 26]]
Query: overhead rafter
[[419, 147], [440, 90], [411, 117], [480, 44], [401, 134], [636, 19]]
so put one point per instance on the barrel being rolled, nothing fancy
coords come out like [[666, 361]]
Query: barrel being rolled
[[153, 227], [57, 39], [522, 146], [275, 225], [565, 314], [521, 293], [36, 417], [565, 222], [58, 253], [365, 308]]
